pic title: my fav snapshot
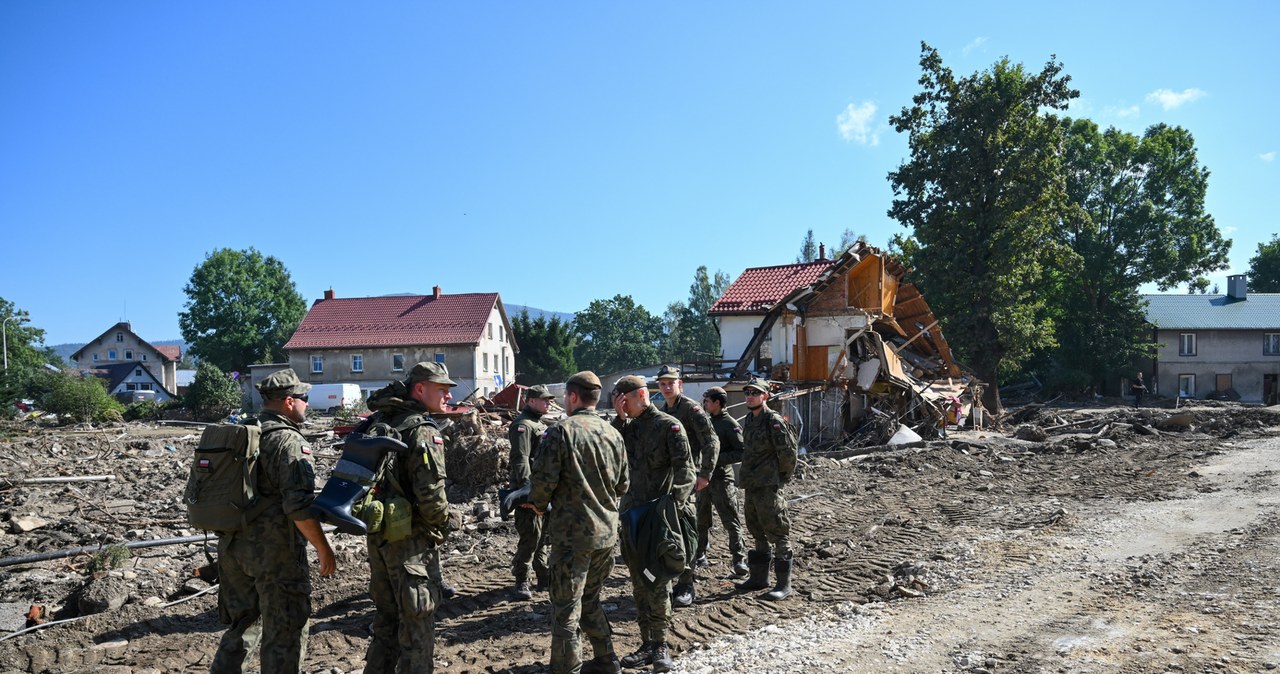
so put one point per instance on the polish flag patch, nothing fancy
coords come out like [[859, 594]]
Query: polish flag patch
[[519, 429], [675, 427], [306, 450], [438, 440]]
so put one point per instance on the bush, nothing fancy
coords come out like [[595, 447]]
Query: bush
[[146, 410], [81, 399], [213, 393], [349, 414]]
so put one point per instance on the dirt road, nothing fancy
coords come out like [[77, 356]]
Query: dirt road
[[1119, 549]]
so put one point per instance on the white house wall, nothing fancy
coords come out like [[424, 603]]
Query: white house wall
[[1235, 352]]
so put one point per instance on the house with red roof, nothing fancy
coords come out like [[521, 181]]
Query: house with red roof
[[110, 355], [370, 341]]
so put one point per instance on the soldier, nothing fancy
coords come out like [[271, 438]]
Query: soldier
[[768, 460], [265, 592], [723, 490], [525, 433], [581, 469], [404, 592], [660, 464], [705, 448]]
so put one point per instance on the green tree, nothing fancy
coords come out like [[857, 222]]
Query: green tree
[[26, 355], [213, 393], [546, 349], [1138, 218], [616, 334], [1199, 285], [691, 334], [808, 248], [75, 398], [241, 309], [1264, 268], [982, 193]]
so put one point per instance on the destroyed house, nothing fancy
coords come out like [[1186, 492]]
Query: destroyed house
[[370, 341], [859, 348], [119, 345], [1216, 346]]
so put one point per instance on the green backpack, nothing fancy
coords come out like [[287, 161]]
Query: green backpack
[[222, 488]]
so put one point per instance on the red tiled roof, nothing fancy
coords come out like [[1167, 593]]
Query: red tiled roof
[[171, 351], [759, 288], [403, 320]]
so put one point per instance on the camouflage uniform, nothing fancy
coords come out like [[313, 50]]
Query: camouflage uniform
[[723, 490], [404, 593], [265, 585], [704, 446], [768, 460], [582, 471], [531, 550], [660, 463]]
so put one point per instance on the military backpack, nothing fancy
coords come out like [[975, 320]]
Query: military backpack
[[222, 487]]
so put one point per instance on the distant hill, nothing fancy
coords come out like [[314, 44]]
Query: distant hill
[[513, 310], [65, 350]]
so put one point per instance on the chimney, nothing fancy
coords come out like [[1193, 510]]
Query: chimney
[[822, 251], [1237, 288], [328, 294], [436, 292]]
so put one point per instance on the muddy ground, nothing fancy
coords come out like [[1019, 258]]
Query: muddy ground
[[1100, 539]]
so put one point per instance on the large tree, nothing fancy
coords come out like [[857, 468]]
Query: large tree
[[808, 248], [1264, 268], [982, 192], [616, 334], [690, 333], [242, 307], [546, 349], [25, 355], [1138, 218]]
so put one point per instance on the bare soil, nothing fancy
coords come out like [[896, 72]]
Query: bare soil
[[1110, 545]]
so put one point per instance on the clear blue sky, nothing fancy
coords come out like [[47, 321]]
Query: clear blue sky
[[553, 152]]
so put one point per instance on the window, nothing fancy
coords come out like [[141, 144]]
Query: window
[[505, 365], [491, 331], [128, 354], [1187, 385], [397, 362], [317, 365], [486, 362], [119, 336], [137, 372], [144, 387], [357, 362], [131, 387], [502, 335], [95, 357], [1187, 344], [111, 354], [144, 357], [1271, 344], [440, 358]]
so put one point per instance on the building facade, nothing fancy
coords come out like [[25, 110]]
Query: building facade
[[119, 345]]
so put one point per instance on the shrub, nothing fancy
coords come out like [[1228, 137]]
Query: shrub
[[77, 398], [145, 410], [213, 393]]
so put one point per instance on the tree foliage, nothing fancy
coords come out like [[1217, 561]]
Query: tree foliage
[[27, 355], [241, 309], [692, 335], [1264, 268], [75, 398], [213, 393], [546, 349], [1138, 217], [808, 248], [616, 334], [983, 192]]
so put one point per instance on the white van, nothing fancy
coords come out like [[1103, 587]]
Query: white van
[[329, 397]]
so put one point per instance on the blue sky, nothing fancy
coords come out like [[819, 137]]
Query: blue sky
[[553, 152]]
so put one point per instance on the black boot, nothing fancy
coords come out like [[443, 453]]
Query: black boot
[[758, 564], [351, 479], [782, 568], [643, 656], [682, 595], [662, 658], [602, 664], [740, 566]]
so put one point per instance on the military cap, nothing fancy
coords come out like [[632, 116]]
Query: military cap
[[586, 379], [758, 384], [539, 391], [668, 372], [716, 393], [433, 372], [628, 384], [283, 384]]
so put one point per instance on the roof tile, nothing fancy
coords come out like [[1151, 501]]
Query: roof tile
[[399, 320], [759, 288]]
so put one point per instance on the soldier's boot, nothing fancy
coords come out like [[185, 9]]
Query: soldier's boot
[[521, 590], [643, 656], [662, 658], [782, 590], [604, 662], [740, 565], [447, 591], [758, 566], [351, 479]]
